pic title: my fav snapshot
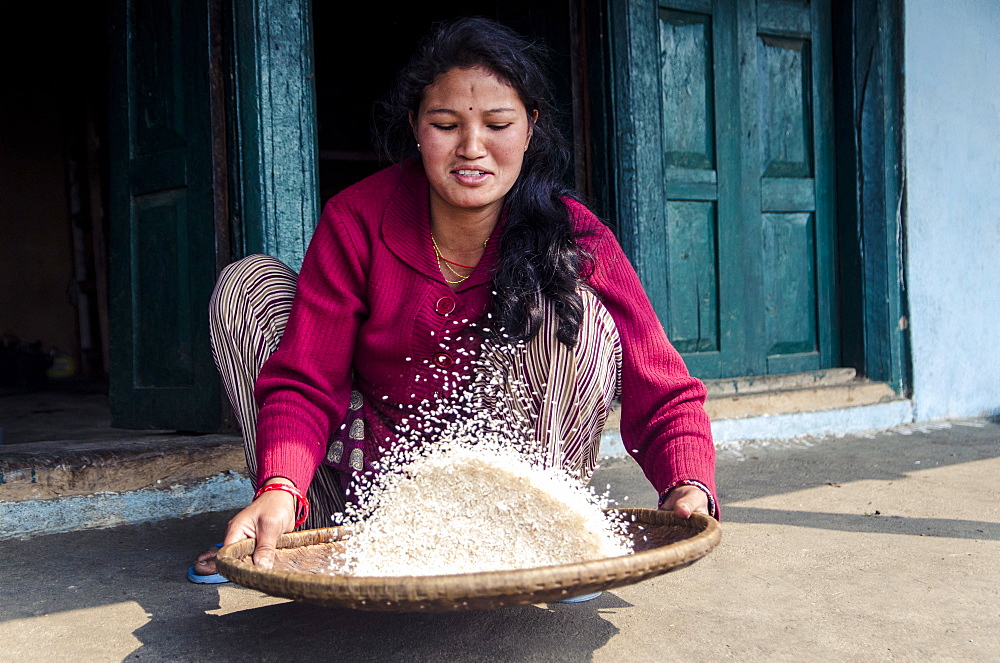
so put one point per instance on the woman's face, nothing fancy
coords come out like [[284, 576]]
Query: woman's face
[[473, 131]]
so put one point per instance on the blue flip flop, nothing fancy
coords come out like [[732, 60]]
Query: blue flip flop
[[582, 598], [213, 579]]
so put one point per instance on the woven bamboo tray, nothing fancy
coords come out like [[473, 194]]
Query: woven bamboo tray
[[302, 558]]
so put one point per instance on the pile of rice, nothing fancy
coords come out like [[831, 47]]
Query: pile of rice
[[465, 507]]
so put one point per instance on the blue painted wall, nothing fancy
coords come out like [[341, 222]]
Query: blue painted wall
[[952, 157]]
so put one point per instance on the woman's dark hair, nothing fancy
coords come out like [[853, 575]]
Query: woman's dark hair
[[539, 255]]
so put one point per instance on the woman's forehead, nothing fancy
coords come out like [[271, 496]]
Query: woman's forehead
[[476, 89]]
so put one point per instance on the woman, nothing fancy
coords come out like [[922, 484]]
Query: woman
[[471, 249]]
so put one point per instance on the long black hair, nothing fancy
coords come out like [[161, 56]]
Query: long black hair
[[539, 254]]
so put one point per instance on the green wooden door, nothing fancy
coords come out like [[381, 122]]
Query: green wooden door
[[163, 216], [727, 198]]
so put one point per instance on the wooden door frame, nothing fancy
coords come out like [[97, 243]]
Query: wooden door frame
[[868, 57], [273, 165], [867, 39]]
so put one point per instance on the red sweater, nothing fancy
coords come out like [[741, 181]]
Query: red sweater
[[371, 305]]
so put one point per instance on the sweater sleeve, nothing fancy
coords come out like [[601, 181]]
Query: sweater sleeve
[[304, 387], [663, 421]]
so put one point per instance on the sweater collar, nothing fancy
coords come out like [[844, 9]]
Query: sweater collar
[[406, 229]]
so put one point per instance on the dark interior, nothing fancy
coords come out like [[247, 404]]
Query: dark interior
[[53, 195], [360, 47]]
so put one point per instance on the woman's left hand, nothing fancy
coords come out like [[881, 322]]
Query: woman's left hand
[[685, 500]]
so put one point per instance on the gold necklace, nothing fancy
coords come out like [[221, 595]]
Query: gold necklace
[[461, 279], [441, 261], [448, 263], [452, 270]]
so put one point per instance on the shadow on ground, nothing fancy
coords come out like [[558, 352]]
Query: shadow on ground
[[297, 632], [762, 469], [145, 565], [872, 524]]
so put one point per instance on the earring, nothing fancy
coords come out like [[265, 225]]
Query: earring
[[418, 146]]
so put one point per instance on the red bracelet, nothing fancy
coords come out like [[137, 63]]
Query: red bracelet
[[303, 504]]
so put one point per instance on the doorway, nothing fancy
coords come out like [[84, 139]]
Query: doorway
[[53, 230]]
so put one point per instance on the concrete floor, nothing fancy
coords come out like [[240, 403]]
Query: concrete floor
[[862, 548]]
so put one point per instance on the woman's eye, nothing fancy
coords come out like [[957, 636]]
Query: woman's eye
[[445, 127], [500, 127]]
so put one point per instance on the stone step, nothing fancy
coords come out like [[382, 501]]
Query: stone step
[[814, 391], [45, 470], [54, 469], [758, 383], [801, 399]]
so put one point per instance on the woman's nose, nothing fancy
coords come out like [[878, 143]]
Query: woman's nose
[[471, 146]]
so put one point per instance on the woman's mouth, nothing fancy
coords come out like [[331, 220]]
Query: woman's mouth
[[470, 175]]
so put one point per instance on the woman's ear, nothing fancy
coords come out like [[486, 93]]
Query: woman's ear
[[413, 128], [531, 127]]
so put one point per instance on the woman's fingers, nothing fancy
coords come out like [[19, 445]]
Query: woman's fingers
[[275, 516], [683, 509], [267, 518], [269, 528], [242, 526], [685, 500]]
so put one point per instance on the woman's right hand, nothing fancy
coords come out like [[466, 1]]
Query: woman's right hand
[[268, 517]]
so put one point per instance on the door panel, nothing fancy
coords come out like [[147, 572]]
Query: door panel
[[797, 247], [789, 284], [162, 317], [692, 227], [745, 207], [688, 120], [785, 119], [696, 143], [688, 106], [163, 225]]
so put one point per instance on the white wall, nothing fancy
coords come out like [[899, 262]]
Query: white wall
[[952, 140]]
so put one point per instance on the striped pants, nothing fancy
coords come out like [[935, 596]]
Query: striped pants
[[564, 393]]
